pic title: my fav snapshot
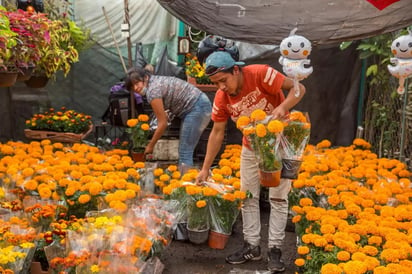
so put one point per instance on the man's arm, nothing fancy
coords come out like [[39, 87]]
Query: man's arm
[[291, 100], [213, 146]]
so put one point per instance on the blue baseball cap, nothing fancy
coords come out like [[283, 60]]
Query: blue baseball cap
[[221, 60]]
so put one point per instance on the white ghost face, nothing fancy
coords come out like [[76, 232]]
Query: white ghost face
[[402, 47], [295, 47]]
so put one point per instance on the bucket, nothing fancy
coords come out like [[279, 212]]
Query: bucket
[[198, 236], [270, 178], [290, 168], [217, 240], [180, 233]]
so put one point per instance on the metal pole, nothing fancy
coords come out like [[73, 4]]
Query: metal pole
[[129, 54], [403, 123]]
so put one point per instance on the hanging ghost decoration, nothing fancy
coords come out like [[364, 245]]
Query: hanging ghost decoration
[[295, 50], [402, 62]]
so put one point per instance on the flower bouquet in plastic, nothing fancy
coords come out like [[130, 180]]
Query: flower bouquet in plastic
[[224, 205], [198, 215], [293, 141], [264, 134]]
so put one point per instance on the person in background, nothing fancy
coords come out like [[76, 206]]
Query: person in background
[[181, 99], [241, 90]]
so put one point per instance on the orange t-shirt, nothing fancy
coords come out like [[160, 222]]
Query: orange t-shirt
[[261, 90]]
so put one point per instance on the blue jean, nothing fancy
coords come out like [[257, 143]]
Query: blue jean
[[192, 127]]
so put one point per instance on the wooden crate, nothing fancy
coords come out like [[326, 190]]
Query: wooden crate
[[64, 137]]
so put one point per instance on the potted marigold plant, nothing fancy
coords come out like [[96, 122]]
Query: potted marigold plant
[[224, 205], [195, 71], [293, 141], [263, 133], [198, 215], [138, 130]]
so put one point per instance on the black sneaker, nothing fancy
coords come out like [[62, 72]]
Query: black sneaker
[[275, 264], [247, 253]]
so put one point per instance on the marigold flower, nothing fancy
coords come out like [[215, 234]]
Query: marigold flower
[[300, 262], [275, 126], [257, 115], [201, 203], [242, 121]]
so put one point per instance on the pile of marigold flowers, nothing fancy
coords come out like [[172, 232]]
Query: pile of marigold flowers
[[352, 211]]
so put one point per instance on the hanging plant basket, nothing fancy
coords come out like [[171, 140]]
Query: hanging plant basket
[[64, 137], [37, 81], [25, 74], [8, 79]]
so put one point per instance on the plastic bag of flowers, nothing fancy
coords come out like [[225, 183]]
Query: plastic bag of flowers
[[293, 141], [263, 134], [158, 223], [18, 246], [224, 206]]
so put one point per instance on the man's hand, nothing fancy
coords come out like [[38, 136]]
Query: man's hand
[[279, 112], [149, 149], [202, 176]]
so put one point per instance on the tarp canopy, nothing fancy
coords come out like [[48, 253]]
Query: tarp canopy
[[270, 21]]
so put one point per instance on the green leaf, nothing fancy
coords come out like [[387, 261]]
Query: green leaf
[[372, 70]]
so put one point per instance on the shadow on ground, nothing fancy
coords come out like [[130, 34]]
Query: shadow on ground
[[183, 257]]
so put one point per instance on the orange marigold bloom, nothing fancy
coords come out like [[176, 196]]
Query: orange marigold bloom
[[300, 262], [201, 203], [275, 126], [132, 122], [330, 268], [261, 130], [143, 117], [303, 250], [242, 122], [84, 198], [257, 115]]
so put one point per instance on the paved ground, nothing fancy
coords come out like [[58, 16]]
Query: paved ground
[[183, 257]]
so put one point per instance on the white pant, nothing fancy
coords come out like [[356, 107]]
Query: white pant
[[278, 197]]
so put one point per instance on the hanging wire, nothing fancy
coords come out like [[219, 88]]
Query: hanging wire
[[191, 33]]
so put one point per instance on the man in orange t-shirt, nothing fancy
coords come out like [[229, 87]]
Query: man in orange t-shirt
[[241, 90]]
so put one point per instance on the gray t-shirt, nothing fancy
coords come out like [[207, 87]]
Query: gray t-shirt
[[178, 96]]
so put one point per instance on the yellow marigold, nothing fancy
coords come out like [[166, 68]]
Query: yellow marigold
[[355, 267], [327, 229], [343, 256], [248, 131], [132, 122], [305, 202], [242, 122], [300, 262], [27, 172], [261, 130], [145, 126], [157, 172], [323, 144], [31, 185], [275, 126], [201, 203], [257, 115], [303, 250], [172, 168], [296, 219], [330, 268], [164, 178], [45, 193], [95, 188], [84, 198], [143, 117], [297, 116], [176, 175]]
